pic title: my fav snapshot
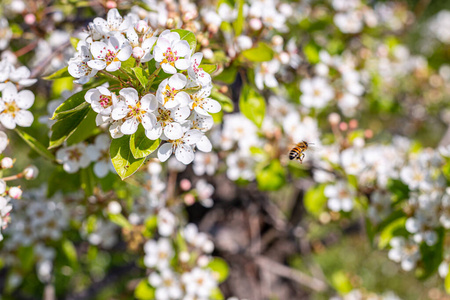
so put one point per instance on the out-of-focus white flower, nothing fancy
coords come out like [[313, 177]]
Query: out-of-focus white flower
[[316, 92], [31, 172], [15, 192], [183, 147], [166, 222], [3, 141], [5, 33], [158, 253], [340, 196], [349, 22], [205, 191], [99, 154], [14, 105], [166, 285], [7, 162], [265, 74], [205, 163], [199, 282], [73, 157], [439, 26], [240, 166], [405, 252]]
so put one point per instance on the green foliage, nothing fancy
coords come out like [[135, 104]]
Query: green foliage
[[140, 145], [87, 179], [62, 73], [139, 72], [431, 255], [65, 127], [271, 177], [35, 144], [262, 52], [73, 104], [315, 200], [252, 105], [239, 22], [122, 157], [144, 291], [208, 68], [220, 268], [341, 282], [187, 36], [311, 53], [224, 100], [395, 228], [120, 220]]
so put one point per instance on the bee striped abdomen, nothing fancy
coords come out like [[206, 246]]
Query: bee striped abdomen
[[295, 153]]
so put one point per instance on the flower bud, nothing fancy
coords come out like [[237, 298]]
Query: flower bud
[[138, 52], [29, 19], [184, 256], [334, 119], [255, 24], [141, 26], [7, 163], [31, 172], [114, 207], [185, 184], [15, 192]]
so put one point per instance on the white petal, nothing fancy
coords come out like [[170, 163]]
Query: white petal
[[97, 64], [192, 136], [24, 118], [168, 68], [177, 81], [125, 53], [212, 106], [131, 96], [181, 48], [165, 151], [173, 131], [25, 99], [204, 144], [155, 132], [182, 64], [114, 66], [98, 50], [129, 126], [149, 102], [148, 121], [184, 154]]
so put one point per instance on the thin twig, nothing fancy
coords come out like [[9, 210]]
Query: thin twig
[[295, 275]]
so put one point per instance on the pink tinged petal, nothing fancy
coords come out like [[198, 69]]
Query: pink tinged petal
[[177, 81], [8, 121], [165, 151], [184, 154], [125, 53], [98, 50], [182, 64], [148, 121], [182, 98], [191, 137], [181, 48], [25, 99], [163, 43], [149, 102], [212, 106], [129, 126], [155, 132], [24, 118], [204, 144], [101, 169], [169, 69], [114, 66], [173, 131], [131, 96], [97, 64]]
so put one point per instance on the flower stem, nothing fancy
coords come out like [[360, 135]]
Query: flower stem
[[152, 77]]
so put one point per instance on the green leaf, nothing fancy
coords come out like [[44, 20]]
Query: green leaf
[[144, 291], [122, 158], [65, 127], [62, 73], [208, 68], [187, 36], [70, 252], [73, 104], [87, 180], [140, 145], [432, 255], [447, 282], [239, 22], [311, 53], [61, 181], [35, 144], [220, 268], [315, 200], [85, 130], [341, 282], [228, 75], [120, 220], [224, 100], [395, 228], [216, 294], [74, 41], [272, 177], [252, 105], [140, 76], [260, 53], [26, 257]]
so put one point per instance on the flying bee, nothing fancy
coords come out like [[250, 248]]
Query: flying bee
[[297, 151]]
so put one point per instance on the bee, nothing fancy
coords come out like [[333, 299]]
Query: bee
[[297, 151]]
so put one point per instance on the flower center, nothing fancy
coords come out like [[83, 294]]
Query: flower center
[[169, 93], [74, 154], [198, 101], [170, 57], [11, 108], [105, 101], [111, 57], [164, 116]]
